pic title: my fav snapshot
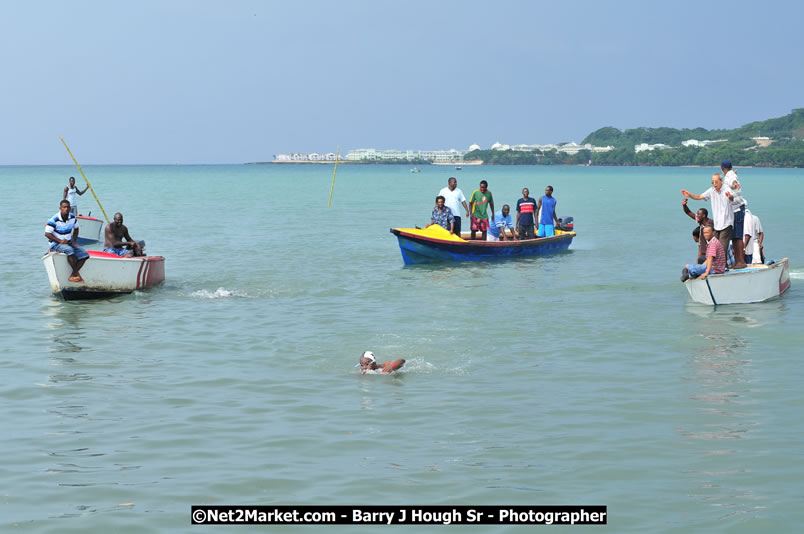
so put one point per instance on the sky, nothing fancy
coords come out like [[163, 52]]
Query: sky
[[175, 81]]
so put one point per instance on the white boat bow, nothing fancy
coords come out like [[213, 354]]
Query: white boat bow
[[755, 283], [104, 274]]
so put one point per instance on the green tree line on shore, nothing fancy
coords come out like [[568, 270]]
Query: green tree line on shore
[[786, 150]]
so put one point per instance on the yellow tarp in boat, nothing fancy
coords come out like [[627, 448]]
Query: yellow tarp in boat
[[434, 232]]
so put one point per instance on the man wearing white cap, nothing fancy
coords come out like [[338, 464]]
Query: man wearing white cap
[[369, 363], [737, 204]]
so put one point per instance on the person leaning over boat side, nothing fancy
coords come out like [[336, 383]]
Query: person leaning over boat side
[[702, 218], [453, 199], [722, 216], [479, 204], [62, 232], [501, 221], [754, 236], [442, 216], [114, 235], [738, 205], [526, 215], [369, 363], [715, 258], [70, 192], [547, 205]]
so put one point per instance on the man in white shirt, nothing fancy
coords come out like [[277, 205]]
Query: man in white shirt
[[754, 236], [453, 199], [722, 215], [738, 205]]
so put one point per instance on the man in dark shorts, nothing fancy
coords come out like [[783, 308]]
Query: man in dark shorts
[[737, 204], [526, 215], [114, 237], [479, 204]]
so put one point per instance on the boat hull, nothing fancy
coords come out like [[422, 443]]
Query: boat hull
[[756, 283], [90, 230], [417, 248], [105, 275]]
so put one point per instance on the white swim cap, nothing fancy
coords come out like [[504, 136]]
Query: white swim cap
[[370, 355]]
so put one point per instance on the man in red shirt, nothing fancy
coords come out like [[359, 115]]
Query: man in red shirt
[[715, 258]]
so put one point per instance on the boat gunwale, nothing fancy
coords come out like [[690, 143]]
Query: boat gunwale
[[746, 270], [486, 244]]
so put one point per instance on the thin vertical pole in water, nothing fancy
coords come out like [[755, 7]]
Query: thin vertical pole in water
[[85, 178], [332, 189]]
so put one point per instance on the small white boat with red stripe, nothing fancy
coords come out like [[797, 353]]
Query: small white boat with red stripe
[[755, 283], [104, 274]]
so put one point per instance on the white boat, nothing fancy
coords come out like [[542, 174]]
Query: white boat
[[755, 283], [104, 274], [90, 230]]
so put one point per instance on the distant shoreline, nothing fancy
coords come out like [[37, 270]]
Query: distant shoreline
[[476, 164], [468, 163]]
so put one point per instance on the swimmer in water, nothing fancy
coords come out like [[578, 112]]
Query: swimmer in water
[[369, 363]]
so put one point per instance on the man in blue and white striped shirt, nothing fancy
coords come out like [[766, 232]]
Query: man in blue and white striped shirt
[[62, 232]]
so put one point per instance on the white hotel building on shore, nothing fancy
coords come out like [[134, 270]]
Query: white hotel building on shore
[[435, 156]]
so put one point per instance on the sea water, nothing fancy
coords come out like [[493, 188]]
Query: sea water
[[586, 377]]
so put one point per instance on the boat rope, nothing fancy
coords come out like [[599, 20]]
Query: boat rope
[[710, 291]]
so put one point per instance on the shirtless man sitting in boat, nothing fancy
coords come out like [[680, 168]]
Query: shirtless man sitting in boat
[[369, 363], [115, 233]]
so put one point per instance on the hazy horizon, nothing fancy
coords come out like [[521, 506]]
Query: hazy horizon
[[213, 82]]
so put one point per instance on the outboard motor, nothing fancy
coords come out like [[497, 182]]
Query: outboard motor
[[567, 224], [141, 242]]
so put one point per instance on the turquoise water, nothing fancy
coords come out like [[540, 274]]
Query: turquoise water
[[581, 378]]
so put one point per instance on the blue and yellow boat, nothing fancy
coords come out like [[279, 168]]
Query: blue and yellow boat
[[435, 244]]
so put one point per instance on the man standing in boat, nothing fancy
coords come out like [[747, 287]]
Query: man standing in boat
[[526, 215], [702, 218], [479, 204], [453, 199], [114, 236], [62, 232], [442, 216], [715, 258], [70, 193], [738, 204], [722, 215], [547, 205], [754, 236]]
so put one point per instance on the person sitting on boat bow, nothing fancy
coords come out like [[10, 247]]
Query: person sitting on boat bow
[[114, 237], [715, 258], [62, 232], [369, 363], [442, 216]]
